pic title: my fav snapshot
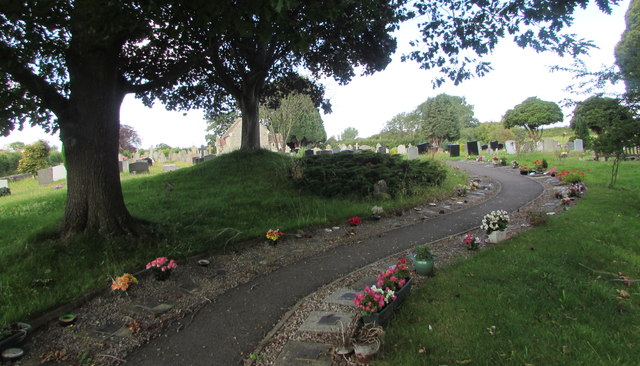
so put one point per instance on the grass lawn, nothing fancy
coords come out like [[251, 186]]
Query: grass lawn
[[210, 207], [545, 297]]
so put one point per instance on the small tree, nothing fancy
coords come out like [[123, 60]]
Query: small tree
[[614, 125], [532, 115], [16, 145], [34, 157], [128, 139], [349, 133]]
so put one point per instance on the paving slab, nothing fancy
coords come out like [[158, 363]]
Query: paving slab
[[342, 296], [327, 321], [304, 354]]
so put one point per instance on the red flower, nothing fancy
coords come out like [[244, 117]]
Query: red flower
[[355, 221]]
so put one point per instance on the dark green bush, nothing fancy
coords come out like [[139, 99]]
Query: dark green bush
[[9, 163], [356, 173], [4, 191]]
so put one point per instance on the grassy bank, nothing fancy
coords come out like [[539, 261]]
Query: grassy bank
[[543, 298], [222, 204]]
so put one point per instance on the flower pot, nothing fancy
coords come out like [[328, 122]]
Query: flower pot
[[365, 351], [423, 268], [14, 335], [67, 319], [524, 172], [161, 275], [382, 317], [497, 236]]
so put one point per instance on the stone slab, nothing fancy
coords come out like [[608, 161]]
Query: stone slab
[[304, 354], [342, 296], [4, 183], [327, 321], [189, 288], [153, 307], [112, 330]]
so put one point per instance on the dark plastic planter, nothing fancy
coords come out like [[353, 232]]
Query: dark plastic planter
[[382, 317]]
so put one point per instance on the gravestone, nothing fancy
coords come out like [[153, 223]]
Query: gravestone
[[323, 152], [412, 152], [382, 150], [569, 146], [123, 166], [4, 183], [423, 148], [380, 188], [196, 160], [45, 176], [454, 150], [336, 150], [308, 152], [148, 160], [59, 172], [549, 145], [366, 148], [139, 167], [500, 146], [494, 145], [169, 167], [484, 147], [209, 157], [473, 148], [578, 145], [402, 149], [378, 146], [511, 146]]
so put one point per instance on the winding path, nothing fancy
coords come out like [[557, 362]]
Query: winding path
[[237, 321]]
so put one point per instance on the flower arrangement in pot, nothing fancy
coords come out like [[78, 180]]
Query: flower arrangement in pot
[[273, 236], [162, 267], [471, 242], [123, 283], [495, 224], [423, 260]]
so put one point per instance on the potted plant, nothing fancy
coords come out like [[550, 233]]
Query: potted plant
[[423, 260], [14, 335], [471, 242], [274, 236], [524, 169], [495, 224], [162, 267]]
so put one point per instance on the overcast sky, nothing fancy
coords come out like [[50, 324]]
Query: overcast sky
[[367, 103]]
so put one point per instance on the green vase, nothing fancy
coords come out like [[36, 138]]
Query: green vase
[[423, 268]]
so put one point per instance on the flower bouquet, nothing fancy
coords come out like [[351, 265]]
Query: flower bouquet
[[471, 242], [373, 299], [495, 221], [355, 221], [123, 282], [274, 235], [162, 267]]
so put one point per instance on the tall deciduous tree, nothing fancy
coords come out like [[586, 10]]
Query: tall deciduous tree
[[128, 139], [442, 117], [67, 65], [270, 41], [532, 115], [295, 116], [349, 133]]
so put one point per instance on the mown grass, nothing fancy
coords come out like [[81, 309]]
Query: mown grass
[[214, 206], [542, 298]]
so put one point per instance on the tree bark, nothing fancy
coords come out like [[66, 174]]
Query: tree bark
[[250, 120], [89, 131]]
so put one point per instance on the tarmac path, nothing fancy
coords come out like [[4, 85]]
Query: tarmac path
[[233, 325]]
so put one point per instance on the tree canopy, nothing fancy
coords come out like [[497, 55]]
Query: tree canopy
[[532, 115], [34, 157], [296, 116], [128, 139], [442, 117], [628, 51], [349, 133]]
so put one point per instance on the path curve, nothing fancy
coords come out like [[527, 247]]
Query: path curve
[[232, 326]]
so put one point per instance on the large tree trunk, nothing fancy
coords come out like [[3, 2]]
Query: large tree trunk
[[89, 131], [250, 122]]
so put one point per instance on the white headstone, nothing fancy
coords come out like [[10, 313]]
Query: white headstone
[[59, 172], [4, 183], [378, 146], [412, 152], [402, 149], [540, 146], [365, 148], [510, 145], [578, 145]]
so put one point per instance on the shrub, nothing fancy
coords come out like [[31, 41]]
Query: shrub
[[4, 191], [355, 173], [9, 163]]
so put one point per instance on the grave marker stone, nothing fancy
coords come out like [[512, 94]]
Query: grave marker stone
[[578, 145], [402, 149], [569, 146], [454, 150], [494, 145], [123, 165], [139, 167], [169, 167], [549, 145], [59, 172], [45, 176], [511, 146], [412, 152], [4, 183], [336, 150], [209, 157], [382, 150], [309, 152], [423, 148], [473, 148]]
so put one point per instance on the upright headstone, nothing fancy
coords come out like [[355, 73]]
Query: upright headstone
[[309, 152], [402, 149], [382, 149], [59, 172], [412, 152], [484, 147], [366, 148], [473, 148], [336, 150], [540, 146], [510, 145], [578, 145], [139, 167], [550, 145], [494, 145], [123, 165], [4, 183], [45, 176], [423, 148], [454, 150], [569, 146], [169, 167], [378, 146], [209, 157]]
